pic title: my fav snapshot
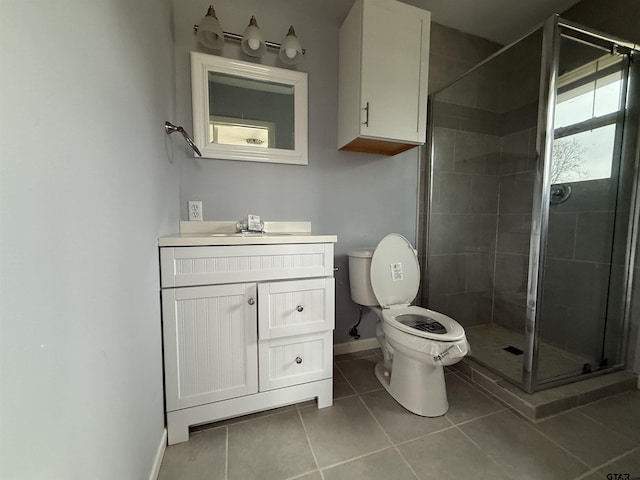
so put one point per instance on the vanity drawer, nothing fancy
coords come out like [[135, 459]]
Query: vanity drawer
[[185, 266], [295, 307], [294, 360]]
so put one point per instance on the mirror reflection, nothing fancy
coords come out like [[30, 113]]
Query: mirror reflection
[[248, 112]]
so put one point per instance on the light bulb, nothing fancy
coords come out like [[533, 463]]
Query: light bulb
[[254, 44], [290, 52]]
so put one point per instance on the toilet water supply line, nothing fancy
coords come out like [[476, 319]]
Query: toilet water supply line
[[354, 330]]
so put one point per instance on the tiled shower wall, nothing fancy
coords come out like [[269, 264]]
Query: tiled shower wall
[[484, 157], [463, 216], [451, 54]]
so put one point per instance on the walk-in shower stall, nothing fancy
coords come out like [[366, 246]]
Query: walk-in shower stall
[[532, 204]]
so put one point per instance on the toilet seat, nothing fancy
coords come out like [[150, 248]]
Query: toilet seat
[[454, 330], [395, 279], [395, 272]]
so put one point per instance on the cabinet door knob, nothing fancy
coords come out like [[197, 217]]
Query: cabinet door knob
[[298, 360], [251, 301], [299, 308]]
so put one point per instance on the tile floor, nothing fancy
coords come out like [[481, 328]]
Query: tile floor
[[367, 435]]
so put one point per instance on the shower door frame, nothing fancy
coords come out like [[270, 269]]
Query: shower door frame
[[552, 29]]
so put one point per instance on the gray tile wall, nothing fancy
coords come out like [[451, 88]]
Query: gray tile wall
[[517, 163], [463, 224], [584, 270], [452, 53], [482, 192]]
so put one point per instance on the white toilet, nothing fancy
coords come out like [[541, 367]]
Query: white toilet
[[416, 343]]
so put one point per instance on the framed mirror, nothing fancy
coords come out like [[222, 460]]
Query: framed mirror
[[250, 112]]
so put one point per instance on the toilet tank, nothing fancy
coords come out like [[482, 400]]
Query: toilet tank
[[360, 278]]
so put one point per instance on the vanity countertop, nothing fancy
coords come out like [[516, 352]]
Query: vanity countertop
[[223, 233]]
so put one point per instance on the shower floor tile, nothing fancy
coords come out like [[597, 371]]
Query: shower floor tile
[[488, 343]]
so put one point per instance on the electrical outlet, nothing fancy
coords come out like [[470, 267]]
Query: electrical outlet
[[195, 210]]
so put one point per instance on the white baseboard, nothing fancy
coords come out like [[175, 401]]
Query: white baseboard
[[355, 346], [155, 470]]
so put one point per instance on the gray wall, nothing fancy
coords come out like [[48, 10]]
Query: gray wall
[[358, 197], [87, 185]]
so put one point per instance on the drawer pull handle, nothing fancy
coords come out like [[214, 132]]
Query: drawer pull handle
[[300, 308], [251, 301], [298, 360]]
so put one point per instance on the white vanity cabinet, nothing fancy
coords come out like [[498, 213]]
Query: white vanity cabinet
[[383, 73], [245, 328]]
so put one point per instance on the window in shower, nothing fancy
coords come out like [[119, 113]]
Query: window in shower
[[589, 101]]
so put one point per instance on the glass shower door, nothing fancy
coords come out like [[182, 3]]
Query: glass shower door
[[588, 215], [482, 137]]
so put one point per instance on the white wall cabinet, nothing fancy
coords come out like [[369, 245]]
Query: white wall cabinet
[[246, 328], [383, 73]]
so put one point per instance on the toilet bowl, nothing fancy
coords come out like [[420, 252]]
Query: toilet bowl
[[416, 342]]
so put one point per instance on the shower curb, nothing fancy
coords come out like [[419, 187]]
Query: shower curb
[[542, 404]]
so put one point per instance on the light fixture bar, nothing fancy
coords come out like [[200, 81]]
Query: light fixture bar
[[238, 37], [274, 45]]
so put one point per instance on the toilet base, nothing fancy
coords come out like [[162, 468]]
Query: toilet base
[[417, 386]]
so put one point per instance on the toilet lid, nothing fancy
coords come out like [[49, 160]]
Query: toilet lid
[[395, 272]]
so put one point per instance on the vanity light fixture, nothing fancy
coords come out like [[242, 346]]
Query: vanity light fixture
[[291, 50], [210, 34], [252, 42]]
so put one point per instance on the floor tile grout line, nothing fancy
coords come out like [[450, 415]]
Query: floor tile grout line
[[580, 410], [601, 424], [486, 454], [482, 391], [372, 354], [586, 475], [491, 394], [367, 357], [410, 440], [389, 439], [562, 448], [304, 474], [306, 434], [351, 385], [464, 422], [615, 459], [532, 426], [357, 457], [345, 378], [415, 474], [226, 453]]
